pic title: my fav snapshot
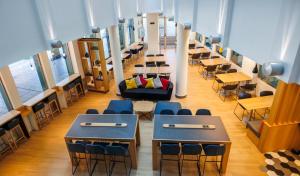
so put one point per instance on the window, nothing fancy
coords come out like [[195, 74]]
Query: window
[[237, 58], [271, 80], [61, 64], [131, 31], [106, 44], [198, 37], [122, 36], [5, 105], [29, 77], [208, 42]]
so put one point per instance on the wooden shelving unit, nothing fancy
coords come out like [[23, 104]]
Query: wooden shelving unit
[[94, 66]]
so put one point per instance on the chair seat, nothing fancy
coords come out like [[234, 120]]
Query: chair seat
[[161, 105], [191, 149], [120, 105]]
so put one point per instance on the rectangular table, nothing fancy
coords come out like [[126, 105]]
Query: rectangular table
[[191, 135], [251, 104], [211, 62], [198, 50], [233, 77], [129, 134]]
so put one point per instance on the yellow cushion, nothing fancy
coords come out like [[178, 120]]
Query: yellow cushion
[[150, 83], [130, 84]]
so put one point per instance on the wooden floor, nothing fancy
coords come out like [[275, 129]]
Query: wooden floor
[[45, 152]]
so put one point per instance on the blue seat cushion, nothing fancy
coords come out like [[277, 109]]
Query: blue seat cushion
[[120, 105], [161, 105]]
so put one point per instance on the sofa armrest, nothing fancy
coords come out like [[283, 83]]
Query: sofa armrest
[[170, 90], [122, 87]]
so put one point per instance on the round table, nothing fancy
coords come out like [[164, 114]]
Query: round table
[[144, 109]]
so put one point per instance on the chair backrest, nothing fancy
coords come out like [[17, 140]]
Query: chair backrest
[[203, 112], [92, 111], [225, 67], [244, 95], [184, 112], [265, 93], [11, 124], [196, 56], [160, 63], [147, 63], [127, 52], [76, 147], [115, 150], [169, 149], [150, 55], [230, 87], [214, 150], [232, 70], [38, 107], [126, 112], [134, 51], [2, 132], [166, 112], [159, 54], [95, 149], [109, 111], [192, 46], [191, 149], [138, 65], [211, 68], [205, 55], [250, 86], [214, 57]]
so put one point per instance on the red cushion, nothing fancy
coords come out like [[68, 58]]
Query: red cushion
[[144, 82], [164, 83]]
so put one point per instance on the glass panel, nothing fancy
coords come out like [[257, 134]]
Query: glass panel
[[106, 44], [131, 31], [271, 80], [122, 36], [5, 105], [171, 29], [208, 42], [237, 58], [60, 62], [29, 78]]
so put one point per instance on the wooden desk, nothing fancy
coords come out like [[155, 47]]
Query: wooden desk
[[198, 50], [68, 80], [233, 77], [211, 62], [251, 104], [154, 58], [205, 136], [129, 134]]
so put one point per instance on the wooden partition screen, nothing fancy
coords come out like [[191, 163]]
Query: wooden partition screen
[[282, 129]]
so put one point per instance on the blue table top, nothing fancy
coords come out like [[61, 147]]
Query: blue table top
[[217, 135], [119, 133]]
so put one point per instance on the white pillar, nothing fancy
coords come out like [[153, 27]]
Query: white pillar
[[75, 58], [183, 33], [228, 54], [46, 65], [153, 33], [116, 55], [10, 87]]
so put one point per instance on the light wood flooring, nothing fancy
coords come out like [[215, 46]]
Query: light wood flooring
[[45, 152]]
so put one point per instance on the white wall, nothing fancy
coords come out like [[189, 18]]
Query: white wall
[[153, 33]]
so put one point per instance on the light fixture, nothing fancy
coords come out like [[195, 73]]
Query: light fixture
[[95, 29], [272, 68], [56, 44]]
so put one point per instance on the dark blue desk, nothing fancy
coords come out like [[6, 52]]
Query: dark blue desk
[[129, 134], [205, 136]]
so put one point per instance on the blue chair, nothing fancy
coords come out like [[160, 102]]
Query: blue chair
[[191, 149], [108, 111], [167, 112], [203, 112], [126, 112], [96, 153], [92, 111], [120, 105], [242, 95], [116, 151], [265, 93], [266, 110], [184, 112], [213, 150], [170, 149], [161, 105], [76, 151]]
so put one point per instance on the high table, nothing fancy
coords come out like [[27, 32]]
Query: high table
[[251, 104], [177, 135], [211, 62], [130, 133], [233, 77]]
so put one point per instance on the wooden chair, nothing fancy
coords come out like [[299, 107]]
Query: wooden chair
[[42, 117], [15, 131], [6, 144]]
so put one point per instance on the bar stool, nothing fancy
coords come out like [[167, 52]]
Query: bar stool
[[15, 131], [5, 140], [42, 117], [79, 87], [51, 105]]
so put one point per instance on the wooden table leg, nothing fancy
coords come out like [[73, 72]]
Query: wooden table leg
[[226, 157], [68, 140], [155, 155], [138, 134], [133, 156]]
